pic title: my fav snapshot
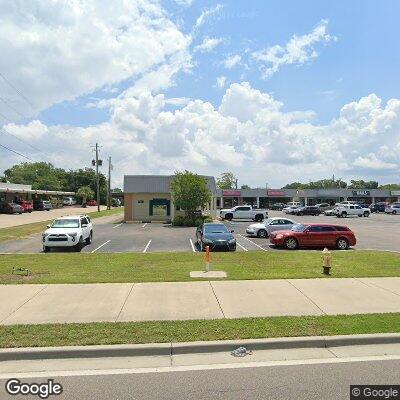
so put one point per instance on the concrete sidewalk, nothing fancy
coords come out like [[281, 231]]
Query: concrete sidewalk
[[36, 304]]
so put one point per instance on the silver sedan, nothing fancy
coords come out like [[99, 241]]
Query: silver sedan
[[264, 229]]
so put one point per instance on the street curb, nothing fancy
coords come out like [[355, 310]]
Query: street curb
[[171, 349]]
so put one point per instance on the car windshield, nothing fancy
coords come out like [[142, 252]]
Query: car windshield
[[298, 228], [65, 223], [217, 228]]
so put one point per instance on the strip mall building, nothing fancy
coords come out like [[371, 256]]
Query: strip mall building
[[148, 197]]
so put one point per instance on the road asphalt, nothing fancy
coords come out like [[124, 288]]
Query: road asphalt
[[300, 381], [57, 303]]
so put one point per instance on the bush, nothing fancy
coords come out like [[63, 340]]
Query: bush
[[184, 221]]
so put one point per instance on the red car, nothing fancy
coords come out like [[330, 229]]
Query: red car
[[91, 203], [27, 206], [314, 235]]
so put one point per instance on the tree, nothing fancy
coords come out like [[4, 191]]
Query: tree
[[84, 193], [245, 187], [363, 184], [321, 184], [190, 192], [40, 175], [390, 186], [227, 181]]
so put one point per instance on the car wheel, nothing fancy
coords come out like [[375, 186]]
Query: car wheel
[[366, 214], [262, 233], [90, 238], [360, 215], [394, 212], [342, 244], [344, 214], [300, 214], [229, 217], [291, 243], [46, 249]]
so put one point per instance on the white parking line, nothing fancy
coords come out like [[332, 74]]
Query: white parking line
[[116, 226], [191, 243], [147, 246], [255, 244], [108, 241], [144, 225], [244, 248]]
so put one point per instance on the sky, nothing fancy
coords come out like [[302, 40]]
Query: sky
[[274, 91]]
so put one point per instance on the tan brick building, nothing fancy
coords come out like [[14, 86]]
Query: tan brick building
[[148, 198]]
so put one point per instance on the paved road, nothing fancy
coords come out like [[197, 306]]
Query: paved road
[[301, 382], [7, 220], [379, 231]]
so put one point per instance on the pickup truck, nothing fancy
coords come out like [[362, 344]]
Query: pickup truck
[[346, 210], [243, 212]]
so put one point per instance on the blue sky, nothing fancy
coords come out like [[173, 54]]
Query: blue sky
[[276, 91], [364, 58]]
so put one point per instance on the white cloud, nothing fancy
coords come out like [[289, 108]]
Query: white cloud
[[299, 50], [206, 14], [249, 128], [232, 61], [221, 82], [60, 50], [208, 44]]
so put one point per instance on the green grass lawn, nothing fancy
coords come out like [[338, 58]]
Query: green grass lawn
[[186, 331], [172, 267], [23, 231]]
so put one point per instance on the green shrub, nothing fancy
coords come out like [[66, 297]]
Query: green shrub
[[185, 221]]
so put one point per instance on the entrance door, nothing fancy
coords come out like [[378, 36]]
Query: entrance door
[[160, 208]]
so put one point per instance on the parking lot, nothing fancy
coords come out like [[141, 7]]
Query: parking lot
[[379, 231]]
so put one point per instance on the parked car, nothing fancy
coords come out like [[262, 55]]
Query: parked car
[[26, 205], [393, 209], [215, 235], [264, 229], [278, 206], [329, 213], [290, 209], [42, 205], [307, 210], [243, 212], [351, 209], [314, 235], [73, 231], [116, 202], [323, 206], [91, 203], [378, 207], [69, 201], [10, 208]]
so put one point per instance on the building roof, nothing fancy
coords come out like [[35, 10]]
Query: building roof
[[156, 183]]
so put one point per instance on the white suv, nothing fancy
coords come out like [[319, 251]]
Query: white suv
[[72, 231], [346, 210]]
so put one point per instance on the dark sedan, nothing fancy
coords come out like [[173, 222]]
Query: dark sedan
[[378, 207], [215, 235], [11, 208], [307, 210]]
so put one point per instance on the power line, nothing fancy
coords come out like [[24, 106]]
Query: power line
[[16, 152], [12, 107], [17, 90], [21, 140]]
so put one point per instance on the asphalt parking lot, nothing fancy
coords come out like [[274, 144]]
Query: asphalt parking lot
[[379, 231]]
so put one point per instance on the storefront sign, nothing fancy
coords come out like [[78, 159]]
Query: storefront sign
[[275, 193], [395, 193], [231, 193], [361, 193]]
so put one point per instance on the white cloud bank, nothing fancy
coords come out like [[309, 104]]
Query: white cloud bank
[[248, 133], [58, 50], [298, 50]]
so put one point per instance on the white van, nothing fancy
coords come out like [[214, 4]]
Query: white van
[[293, 203], [69, 201]]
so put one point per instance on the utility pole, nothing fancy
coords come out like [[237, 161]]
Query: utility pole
[[97, 178], [109, 184]]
